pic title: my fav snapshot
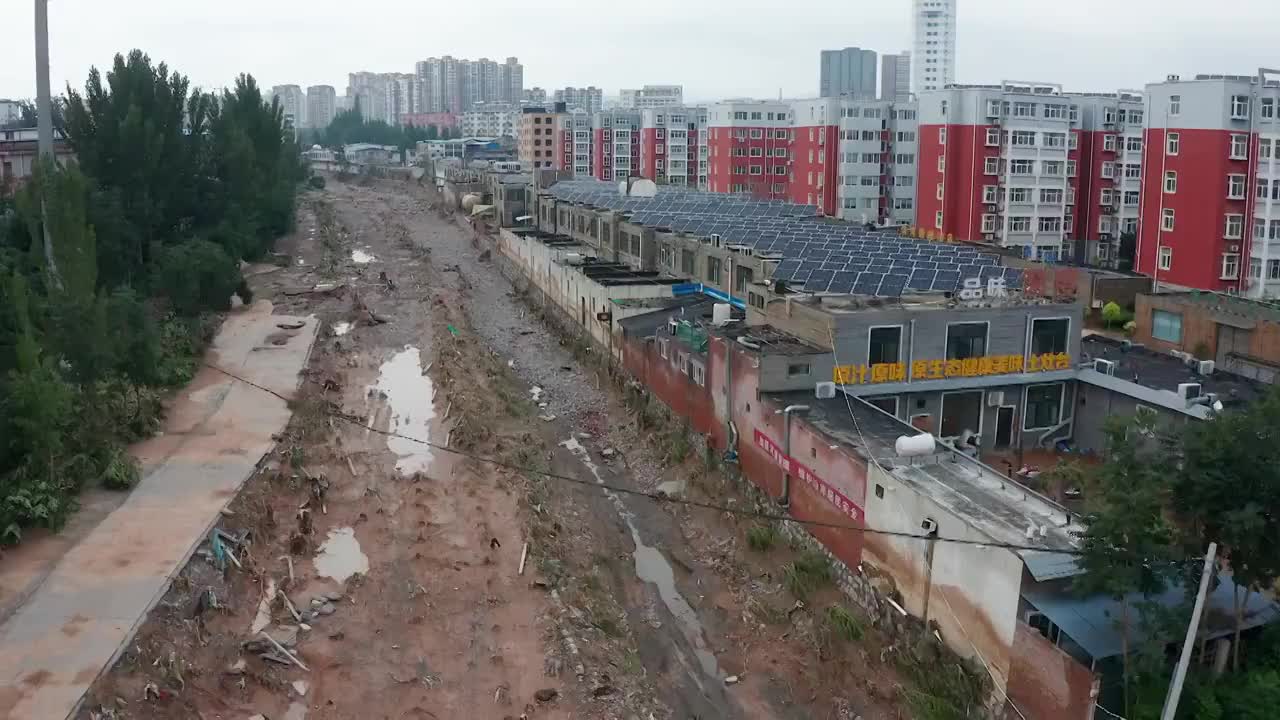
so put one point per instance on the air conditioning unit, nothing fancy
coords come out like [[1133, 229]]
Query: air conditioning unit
[[824, 390], [1104, 236], [989, 236], [995, 398], [1233, 248], [573, 258], [1205, 367], [1188, 391], [991, 208], [1106, 367]]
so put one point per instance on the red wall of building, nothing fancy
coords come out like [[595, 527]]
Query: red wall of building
[[648, 148], [1089, 183], [825, 148], [1200, 206], [597, 153], [962, 179], [722, 161], [1045, 683]]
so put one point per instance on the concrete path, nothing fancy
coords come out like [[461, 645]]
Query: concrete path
[[71, 625]]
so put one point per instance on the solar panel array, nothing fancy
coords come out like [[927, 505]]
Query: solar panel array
[[816, 254]]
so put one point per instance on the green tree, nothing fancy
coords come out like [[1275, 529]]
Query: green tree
[[1112, 314], [1128, 547]]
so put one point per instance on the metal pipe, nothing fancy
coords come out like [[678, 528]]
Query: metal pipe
[[785, 499]]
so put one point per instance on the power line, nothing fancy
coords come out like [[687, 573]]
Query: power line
[[656, 497]]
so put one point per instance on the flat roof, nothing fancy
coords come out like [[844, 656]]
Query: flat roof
[[768, 340], [1161, 371], [1231, 305], [684, 307], [983, 497]]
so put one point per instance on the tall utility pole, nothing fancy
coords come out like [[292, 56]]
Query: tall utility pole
[[1180, 674], [44, 103]]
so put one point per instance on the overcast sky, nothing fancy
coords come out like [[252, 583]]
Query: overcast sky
[[715, 48]]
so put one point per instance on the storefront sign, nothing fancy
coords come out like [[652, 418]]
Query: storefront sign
[[798, 470], [942, 369]]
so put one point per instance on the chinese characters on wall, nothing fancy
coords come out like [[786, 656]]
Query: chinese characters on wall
[[794, 467], [941, 369]]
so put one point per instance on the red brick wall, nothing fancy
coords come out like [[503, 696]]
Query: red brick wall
[[1045, 683]]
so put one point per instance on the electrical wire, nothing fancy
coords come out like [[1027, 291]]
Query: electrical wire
[[654, 496]]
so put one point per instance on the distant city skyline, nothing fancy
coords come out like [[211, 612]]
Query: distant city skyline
[[711, 48]]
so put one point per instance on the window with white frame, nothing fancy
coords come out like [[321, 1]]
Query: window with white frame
[[1071, 196], [1171, 181], [1264, 148], [1106, 196], [1235, 187], [1019, 223], [1109, 115], [759, 152], [1054, 112], [1108, 143], [1073, 140], [1050, 196], [1166, 223], [942, 136], [1051, 167], [1024, 109], [756, 133], [993, 108], [1022, 167], [1019, 195], [993, 137], [1055, 140], [1050, 224], [1230, 266], [1022, 138], [1071, 168], [988, 223], [939, 194], [1239, 147], [937, 220], [1067, 224], [779, 134], [991, 166], [1273, 269], [1233, 227], [1133, 144], [779, 152], [1108, 170], [1172, 142], [942, 163], [757, 169], [989, 194], [1132, 171], [1175, 105], [1239, 107], [1267, 108], [1131, 197]]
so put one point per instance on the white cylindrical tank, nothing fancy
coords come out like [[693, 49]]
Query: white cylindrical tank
[[469, 201], [720, 314], [913, 445]]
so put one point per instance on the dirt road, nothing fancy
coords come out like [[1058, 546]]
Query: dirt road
[[402, 559]]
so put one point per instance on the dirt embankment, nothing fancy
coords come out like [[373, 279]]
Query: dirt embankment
[[402, 559]]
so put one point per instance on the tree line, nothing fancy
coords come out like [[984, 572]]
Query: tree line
[[1160, 497], [350, 126], [112, 270]]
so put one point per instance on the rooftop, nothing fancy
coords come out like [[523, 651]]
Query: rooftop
[[987, 500], [1162, 373], [1228, 305]]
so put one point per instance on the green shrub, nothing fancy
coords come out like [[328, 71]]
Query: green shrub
[[762, 538], [806, 574], [198, 276], [1111, 314], [844, 623]]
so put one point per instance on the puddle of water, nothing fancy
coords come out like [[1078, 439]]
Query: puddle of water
[[652, 567], [340, 555], [361, 257], [409, 393], [341, 328]]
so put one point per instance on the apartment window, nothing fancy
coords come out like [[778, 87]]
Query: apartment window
[[1050, 196], [988, 223], [1108, 170], [1239, 147], [1230, 266], [966, 340], [1073, 141], [757, 133], [779, 152], [1022, 138], [1055, 140], [1264, 148], [937, 220], [1019, 195], [1273, 269], [759, 152], [1131, 197], [1054, 112], [1050, 224], [1172, 141], [991, 166], [1166, 326], [988, 194], [1175, 105], [1233, 227], [779, 134], [713, 270], [1044, 406], [942, 163], [993, 137], [779, 170], [1235, 187], [1023, 109], [1109, 143], [1019, 224], [1049, 335], [1133, 144], [1071, 168], [939, 194], [779, 187], [1166, 224], [1171, 181], [905, 136], [942, 136], [757, 169], [1071, 196], [1051, 167], [1239, 107], [884, 345], [1022, 167]]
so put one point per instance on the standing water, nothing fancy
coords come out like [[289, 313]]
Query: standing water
[[340, 556], [361, 257], [652, 567], [409, 393]]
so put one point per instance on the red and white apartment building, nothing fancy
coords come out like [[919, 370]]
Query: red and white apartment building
[[573, 142], [1210, 214], [615, 151], [1025, 165], [750, 148], [673, 145]]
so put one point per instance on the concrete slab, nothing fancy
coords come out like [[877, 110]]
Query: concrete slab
[[70, 628]]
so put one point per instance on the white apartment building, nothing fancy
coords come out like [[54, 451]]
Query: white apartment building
[[497, 121], [322, 105], [293, 102], [876, 174], [651, 96], [934, 55]]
